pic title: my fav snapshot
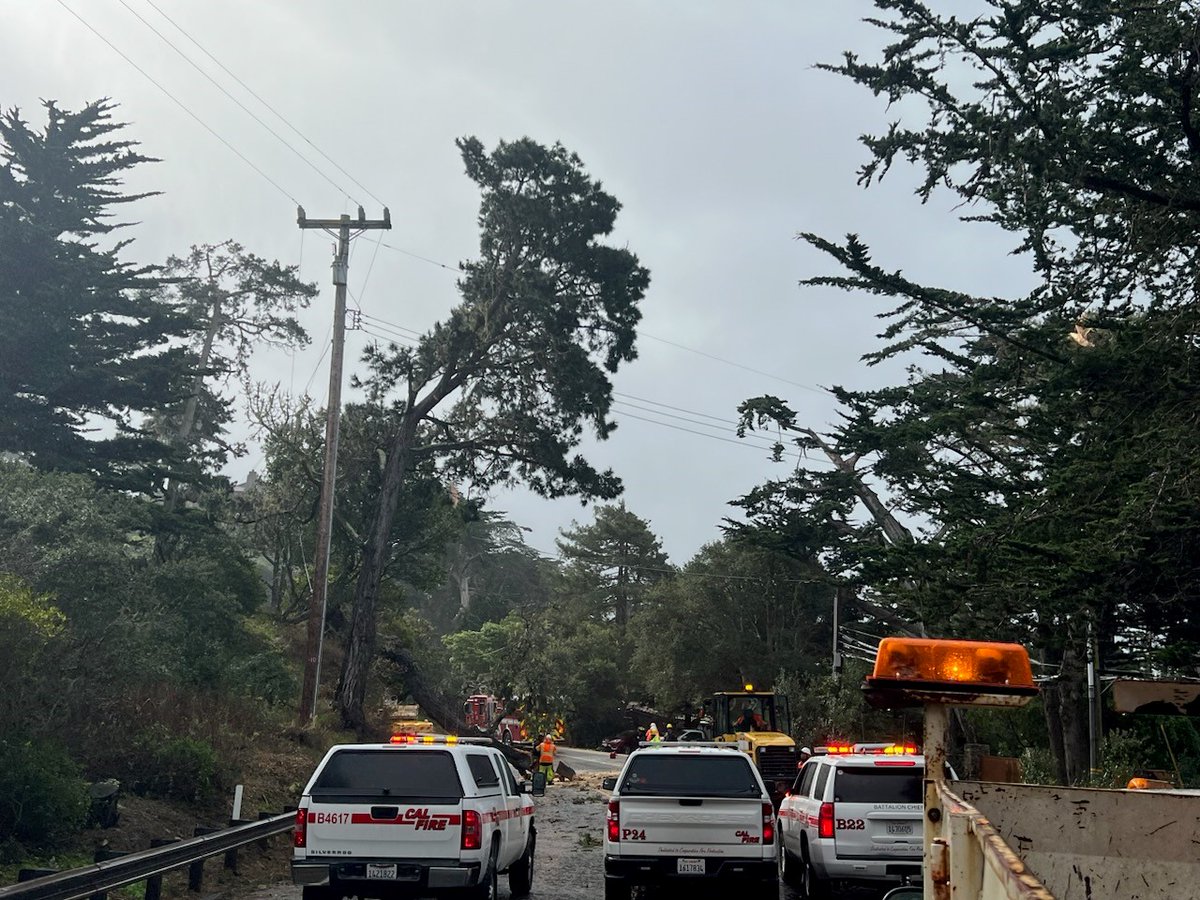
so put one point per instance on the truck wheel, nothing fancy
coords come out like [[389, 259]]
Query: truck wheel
[[489, 883], [813, 887], [615, 889], [789, 867], [520, 875]]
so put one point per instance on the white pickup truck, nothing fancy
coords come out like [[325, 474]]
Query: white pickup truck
[[424, 814], [681, 815]]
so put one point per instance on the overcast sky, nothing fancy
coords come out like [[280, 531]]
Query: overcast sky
[[707, 120]]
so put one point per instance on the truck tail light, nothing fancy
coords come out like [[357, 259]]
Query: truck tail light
[[825, 821], [472, 830], [768, 823], [300, 831], [614, 821]]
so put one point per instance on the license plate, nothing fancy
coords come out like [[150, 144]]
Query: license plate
[[689, 867], [905, 828], [375, 871]]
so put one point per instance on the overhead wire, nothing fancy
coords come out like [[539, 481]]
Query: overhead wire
[[666, 570], [752, 441], [267, 105], [308, 162], [88, 25]]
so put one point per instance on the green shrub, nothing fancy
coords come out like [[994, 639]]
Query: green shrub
[[182, 768], [43, 799]]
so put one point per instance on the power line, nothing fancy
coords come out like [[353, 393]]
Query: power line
[[392, 325], [690, 412], [268, 106], [677, 572], [730, 362], [715, 437], [179, 103], [240, 104], [748, 437], [320, 359], [457, 270]]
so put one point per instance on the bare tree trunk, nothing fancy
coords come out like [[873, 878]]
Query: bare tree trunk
[[360, 647], [188, 420], [1073, 712]]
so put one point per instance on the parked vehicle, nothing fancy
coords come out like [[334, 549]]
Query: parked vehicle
[[682, 815], [424, 814], [625, 742], [854, 816]]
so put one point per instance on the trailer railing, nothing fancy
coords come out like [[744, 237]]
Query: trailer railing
[[149, 865], [968, 858]]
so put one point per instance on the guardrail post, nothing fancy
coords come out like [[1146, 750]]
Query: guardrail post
[[231, 856], [30, 874], [196, 869], [265, 843], [103, 856], [154, 882]]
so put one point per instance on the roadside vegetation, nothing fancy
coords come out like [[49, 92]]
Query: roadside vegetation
[[1035, 478]]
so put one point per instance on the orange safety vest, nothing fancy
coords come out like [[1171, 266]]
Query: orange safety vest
[[547, 748]]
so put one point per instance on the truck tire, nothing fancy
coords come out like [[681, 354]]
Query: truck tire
[[789, 868], [813, 886], [520, 874], [489, 883], [616, 889]]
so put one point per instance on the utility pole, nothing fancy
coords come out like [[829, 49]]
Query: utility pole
[[344, 227]]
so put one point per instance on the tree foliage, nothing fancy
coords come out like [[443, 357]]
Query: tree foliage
[[1044, 445], [86, 349], [504, 389]]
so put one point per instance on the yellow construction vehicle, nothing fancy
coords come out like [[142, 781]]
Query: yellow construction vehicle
[[760, 723]]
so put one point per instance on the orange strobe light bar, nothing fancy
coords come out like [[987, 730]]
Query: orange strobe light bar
[[913, 671]]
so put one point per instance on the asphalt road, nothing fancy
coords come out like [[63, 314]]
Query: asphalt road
[[592, 762], [598, 762]]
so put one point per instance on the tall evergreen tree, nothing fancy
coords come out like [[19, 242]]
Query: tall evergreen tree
[[85, 347]]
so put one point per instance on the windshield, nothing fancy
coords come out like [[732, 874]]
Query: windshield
[[652, 775], [389, 774]]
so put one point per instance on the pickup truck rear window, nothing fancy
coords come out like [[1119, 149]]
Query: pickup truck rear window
[[878, 785], [652, 775], [378, 774]]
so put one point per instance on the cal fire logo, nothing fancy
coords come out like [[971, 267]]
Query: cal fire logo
[[747, 837], [422, 821]]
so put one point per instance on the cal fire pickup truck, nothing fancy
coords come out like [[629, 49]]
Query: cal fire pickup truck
[[682, 814], [421, 814]]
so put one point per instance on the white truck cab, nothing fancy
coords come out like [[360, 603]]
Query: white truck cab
[[421, 814], [854, 815], [686, 814]]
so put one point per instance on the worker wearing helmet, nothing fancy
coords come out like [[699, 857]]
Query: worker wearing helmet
[[546, 750], [652, 735]]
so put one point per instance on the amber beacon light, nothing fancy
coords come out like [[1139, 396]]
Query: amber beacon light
[[914, 671]]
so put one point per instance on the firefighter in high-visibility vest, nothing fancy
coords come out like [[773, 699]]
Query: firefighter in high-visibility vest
[[546, 750]]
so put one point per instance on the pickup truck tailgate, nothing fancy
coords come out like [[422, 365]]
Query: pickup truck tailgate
[[708, 826], [385, 804], [380, 830]]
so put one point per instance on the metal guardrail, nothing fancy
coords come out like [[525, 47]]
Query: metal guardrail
[[76, 884]]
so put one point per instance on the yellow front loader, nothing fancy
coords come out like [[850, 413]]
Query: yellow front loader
[[760, 723]]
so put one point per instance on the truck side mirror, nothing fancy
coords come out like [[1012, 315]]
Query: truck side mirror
[[608, 784]]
